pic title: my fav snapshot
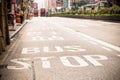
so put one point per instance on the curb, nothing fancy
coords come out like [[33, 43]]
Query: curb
[[4, 56], [25, 22], [106, 18]]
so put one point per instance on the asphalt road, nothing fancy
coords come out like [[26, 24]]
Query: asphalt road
[[53, 48]]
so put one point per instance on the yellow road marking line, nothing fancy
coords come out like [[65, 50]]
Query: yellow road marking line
[[6, 55]]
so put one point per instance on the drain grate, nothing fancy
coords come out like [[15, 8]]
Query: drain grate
[[3, 66]]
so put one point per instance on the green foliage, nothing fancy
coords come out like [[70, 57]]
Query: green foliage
[[112, 11], [115, 9], [104, 11]]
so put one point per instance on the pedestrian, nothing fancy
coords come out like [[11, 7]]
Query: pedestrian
[[21, 16], [11, 18]]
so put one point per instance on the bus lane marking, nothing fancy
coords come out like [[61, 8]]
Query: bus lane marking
[[30, 50], [49, 38], [55, 49], [58, 49], [65, 60]]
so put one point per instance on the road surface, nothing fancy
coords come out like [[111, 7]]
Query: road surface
[[53, 48]]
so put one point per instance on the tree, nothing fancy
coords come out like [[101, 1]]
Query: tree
[[114, 2]]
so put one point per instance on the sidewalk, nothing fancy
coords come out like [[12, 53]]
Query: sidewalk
[[16, 29], [12, 33]]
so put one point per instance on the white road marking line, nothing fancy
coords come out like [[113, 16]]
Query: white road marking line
[[93, 42], [101, 42], [85, 39], [43, 29], [33, 33], [61, 38], [95, 58], [94, 39], [30, 50], [83, 26], [11, 39], [54, 32], [28, 33], [25, 65], [50, 39], [74, 48], [57, 49], [45, 62], [82, 38], [106, 48], [118, 55], [34, 39], [54, 36], [66, 62]]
